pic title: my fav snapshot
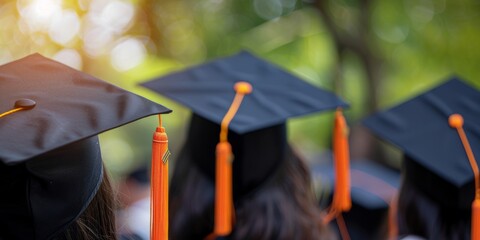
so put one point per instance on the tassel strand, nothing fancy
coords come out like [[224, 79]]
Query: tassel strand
[[159, 188]]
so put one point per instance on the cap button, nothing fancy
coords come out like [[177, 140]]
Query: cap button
[[243, 87], [25, 103], [455, 120]]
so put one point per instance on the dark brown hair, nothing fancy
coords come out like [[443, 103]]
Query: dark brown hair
[[97, 222], [284, 207]]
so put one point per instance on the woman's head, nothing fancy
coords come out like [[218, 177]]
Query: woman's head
[[50, 162], [245, 95], [64, 194], [437, 130], [282, 207], [49, 192], [421, 214]]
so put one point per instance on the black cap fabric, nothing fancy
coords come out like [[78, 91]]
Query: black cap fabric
[[277, 95], [258, 134], [256, 154], [50, 161], [436, 161], [373, 187]]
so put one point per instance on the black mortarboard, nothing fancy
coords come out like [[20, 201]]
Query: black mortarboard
[[258, 138], [436, 160], [50, 162], [258, 126], [373, 188]]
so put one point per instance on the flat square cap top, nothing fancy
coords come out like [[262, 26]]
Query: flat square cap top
[[420, 127], [208, 90], [70, 106]]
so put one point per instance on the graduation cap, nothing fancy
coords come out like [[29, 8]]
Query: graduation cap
[[439, 134], [253, 99], [50, 161], [373, 190]]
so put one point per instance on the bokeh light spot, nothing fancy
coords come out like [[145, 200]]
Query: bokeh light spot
[[116, 16], [38, 13], [268, 9], [95, 40], [69, 57], [127, 54], [64, 26], [421, 12]]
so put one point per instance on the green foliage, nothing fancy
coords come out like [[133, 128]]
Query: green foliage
[[418, 43]]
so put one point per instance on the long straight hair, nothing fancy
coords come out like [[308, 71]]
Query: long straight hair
[[284, 207]]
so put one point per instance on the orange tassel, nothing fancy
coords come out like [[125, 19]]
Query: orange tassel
[[476, 220], [341, 198], [223, 197], [224, 208], [342, 227], [159, 188], [456, 121], [10, 112], [392, 219]]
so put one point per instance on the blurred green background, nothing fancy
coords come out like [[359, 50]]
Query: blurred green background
[[373, 53]]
